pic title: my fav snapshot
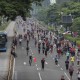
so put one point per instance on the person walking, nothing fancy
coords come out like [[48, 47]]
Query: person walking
[[42, 63], [78, 72], [27, 50], [78, 59], [30, 59], [67, 64], [71, 70], [67, 55], [72, 59], [56, 60]]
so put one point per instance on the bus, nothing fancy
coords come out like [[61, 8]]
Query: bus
[[3, 41]]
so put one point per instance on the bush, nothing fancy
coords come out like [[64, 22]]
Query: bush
[[51, 28]]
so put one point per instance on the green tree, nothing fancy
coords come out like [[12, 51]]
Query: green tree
[[76, 24], [13, 8]]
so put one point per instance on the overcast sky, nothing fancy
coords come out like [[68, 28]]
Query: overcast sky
[[53, 1]]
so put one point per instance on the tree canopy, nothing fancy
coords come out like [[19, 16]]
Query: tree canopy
[[54, 12], [13, 8]]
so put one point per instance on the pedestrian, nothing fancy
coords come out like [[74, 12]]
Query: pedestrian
[[46, 52], [56, 60], [62, 77], [35, 42], [13, 52], [67, 64], [71, 70], [72, 59], [78, 72], [67, 55], [43, 49], [20, 41], [78, 59], [27, 49], [30, 59], [42, 63], [27, 42]]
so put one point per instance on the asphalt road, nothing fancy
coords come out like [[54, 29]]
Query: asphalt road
[[23, 71]]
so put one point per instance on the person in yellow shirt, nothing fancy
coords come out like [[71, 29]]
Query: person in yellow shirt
[[72, 59]]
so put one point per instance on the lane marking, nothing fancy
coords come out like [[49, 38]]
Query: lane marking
[[37, 68], [58, 65], [22, 47], [61, 68], [15, 75], [13, 69], [36, 64], [67, 76], [46, 63], [24, 63], [39, 75], [53, 58]]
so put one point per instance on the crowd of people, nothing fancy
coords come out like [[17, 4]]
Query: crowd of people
[[45, 43]]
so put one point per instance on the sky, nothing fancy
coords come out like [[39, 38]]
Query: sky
[[53, 1]]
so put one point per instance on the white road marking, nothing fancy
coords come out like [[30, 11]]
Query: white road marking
[[51, 55], [22, 47], [39, 75], [58, 65], [15, 75], [13, 69], [61, 68], [37, 68], [67, 76], [36, 64], [46, 63], [24, 63]]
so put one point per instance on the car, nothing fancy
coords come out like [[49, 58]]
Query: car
[[67, 32]]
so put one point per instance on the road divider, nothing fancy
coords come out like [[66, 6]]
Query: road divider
[[10, 69]]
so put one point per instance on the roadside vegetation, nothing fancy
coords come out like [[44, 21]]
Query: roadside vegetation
[[4, 25]]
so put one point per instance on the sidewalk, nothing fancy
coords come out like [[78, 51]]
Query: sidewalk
[[5, 56], [10, 28]]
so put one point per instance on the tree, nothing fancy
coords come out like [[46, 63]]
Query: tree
[[13, 8], [76, 24]]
